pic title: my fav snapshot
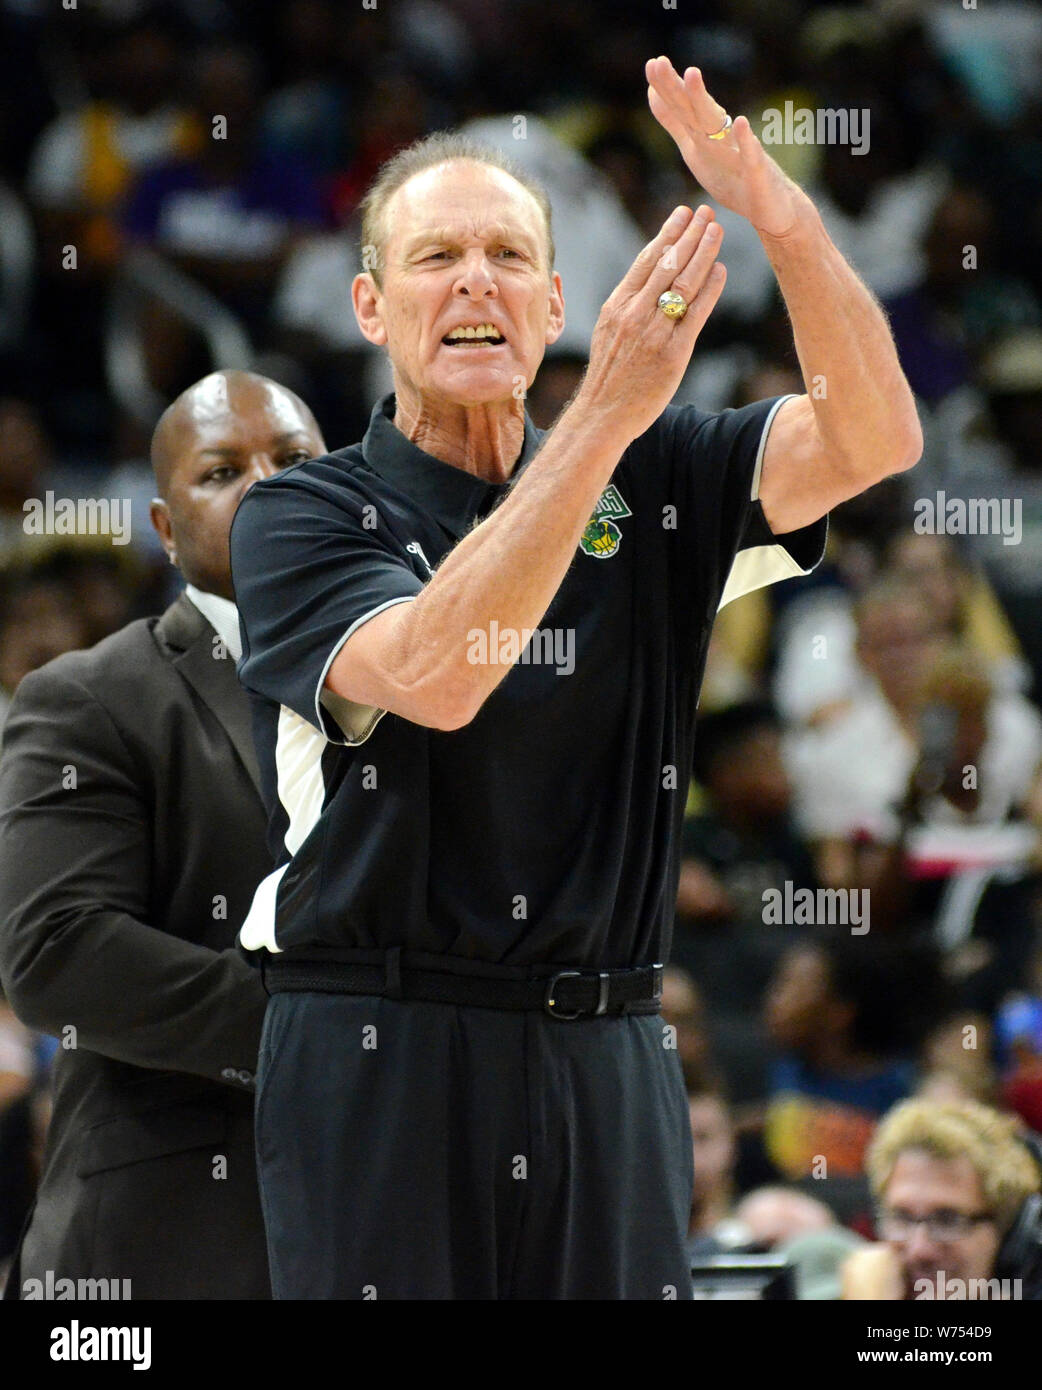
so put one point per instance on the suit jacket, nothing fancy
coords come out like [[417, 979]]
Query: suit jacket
[[132, 836]]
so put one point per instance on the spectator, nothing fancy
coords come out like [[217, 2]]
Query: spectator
[[960, 600], [773, 1216], [86, 160], [984, 446], [853, 773], [230, 213], [683, 1010], [1011, 373], [966, 857], [950, 1181], [957, 1061], [392, 111], [1018, 1028], [818, 673], [26, 468], [39, 619], [110, 584], [122, 90], [940, 321], [740, 845], [844, 1018], [715, 1153], [306, 117]]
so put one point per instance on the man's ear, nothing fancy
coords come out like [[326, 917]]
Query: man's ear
[[365, 296], [159, 513], [555, 324]]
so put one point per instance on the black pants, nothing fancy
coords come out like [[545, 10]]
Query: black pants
[[414, 1150]]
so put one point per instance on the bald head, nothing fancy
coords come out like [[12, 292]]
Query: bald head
[[214, 399], [215, 441], [774, 1215]]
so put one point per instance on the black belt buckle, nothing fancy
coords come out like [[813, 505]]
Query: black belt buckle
[[548, 1001], [602, 998]]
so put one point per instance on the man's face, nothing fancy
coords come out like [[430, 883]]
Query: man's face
[[755, 782], [929, 565], [895, 641], [40, 624], [235, 435], [712, 1141], [465, 246], [798, 1000], [921, 1186]]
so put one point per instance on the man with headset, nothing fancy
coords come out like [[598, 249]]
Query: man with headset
[[959, 1209]]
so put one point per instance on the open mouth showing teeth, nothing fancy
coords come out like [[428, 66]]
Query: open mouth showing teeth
[[482, 335]]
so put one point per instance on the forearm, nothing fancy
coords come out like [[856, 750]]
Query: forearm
[[509, 568], [159, 1002], [77, 946], [863, 406]]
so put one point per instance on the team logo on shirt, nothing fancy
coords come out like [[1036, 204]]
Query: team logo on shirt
[[415, 548], [602, 537]]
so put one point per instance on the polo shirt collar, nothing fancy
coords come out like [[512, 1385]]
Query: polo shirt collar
[[452, 496]]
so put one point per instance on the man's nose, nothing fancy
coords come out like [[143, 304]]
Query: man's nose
[[475, 278], [919, 1246], [261, 466]]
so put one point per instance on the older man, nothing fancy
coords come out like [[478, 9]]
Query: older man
[[475, 655], [131, 841]]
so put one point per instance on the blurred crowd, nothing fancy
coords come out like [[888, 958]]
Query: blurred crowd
[[869, 736]]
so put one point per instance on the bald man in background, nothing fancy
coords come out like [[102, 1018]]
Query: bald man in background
[[132, 837]]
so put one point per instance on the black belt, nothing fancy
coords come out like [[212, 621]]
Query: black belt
[[560, 991]]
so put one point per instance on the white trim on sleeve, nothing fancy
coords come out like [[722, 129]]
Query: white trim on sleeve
[[361, 719], [760, 565], [755, 490]]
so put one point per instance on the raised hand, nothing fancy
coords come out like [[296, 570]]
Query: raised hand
[[638, 356], [736, 170]]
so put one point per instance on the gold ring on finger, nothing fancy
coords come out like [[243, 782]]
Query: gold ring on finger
[[719, 134], [673, 305]]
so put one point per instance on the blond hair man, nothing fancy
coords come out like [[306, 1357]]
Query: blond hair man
[[951, 1181]]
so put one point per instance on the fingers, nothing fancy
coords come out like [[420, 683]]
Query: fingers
[[705, 301], [703, 104], [637, 276], [685, 266], [751, 152], [673, 124], [684, 101]]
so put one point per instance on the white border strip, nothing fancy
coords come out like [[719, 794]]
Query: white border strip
[[755, 492], [353, 742]]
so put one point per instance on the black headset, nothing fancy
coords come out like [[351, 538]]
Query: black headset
[[1020, 1254]]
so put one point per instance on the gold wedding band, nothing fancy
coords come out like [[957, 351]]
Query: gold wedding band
[[673, 305], [719, 134]]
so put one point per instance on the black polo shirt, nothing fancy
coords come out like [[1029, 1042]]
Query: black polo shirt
[[548, 828]]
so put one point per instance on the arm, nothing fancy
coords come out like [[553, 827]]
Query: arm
[[858, 423], [76, 946], [412, 659]]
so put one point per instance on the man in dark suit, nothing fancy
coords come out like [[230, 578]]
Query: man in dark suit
[[132, 836]]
